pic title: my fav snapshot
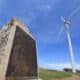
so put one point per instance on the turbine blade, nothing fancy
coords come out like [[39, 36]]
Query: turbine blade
[[74, 12], [62, 18], [60, 32]]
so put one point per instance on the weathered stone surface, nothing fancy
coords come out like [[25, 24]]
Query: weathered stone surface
[[20, 62]]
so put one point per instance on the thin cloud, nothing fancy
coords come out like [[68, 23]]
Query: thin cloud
[[42, 7], [46, 8]]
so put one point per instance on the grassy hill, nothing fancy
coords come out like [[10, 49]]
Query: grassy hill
[[56, 75]]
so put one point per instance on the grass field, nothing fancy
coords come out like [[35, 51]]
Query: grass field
[[57, 75]]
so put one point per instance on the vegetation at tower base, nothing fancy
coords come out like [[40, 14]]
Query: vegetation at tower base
[[46, 74]]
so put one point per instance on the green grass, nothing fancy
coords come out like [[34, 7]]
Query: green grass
[[49, 75]]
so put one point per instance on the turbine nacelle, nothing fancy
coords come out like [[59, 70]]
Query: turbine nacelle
[[66, 21]]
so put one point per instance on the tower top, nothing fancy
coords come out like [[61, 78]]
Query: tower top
[[18, 23]]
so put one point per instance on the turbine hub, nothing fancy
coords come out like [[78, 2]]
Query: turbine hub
[[67, 22]]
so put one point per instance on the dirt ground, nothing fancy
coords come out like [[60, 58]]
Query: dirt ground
[[74, 77]]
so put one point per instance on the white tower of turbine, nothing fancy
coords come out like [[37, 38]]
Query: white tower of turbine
[[67, 25]]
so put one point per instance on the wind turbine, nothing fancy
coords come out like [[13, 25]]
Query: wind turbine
[[67, 23]]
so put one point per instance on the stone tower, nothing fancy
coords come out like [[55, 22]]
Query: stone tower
[[18, 58]]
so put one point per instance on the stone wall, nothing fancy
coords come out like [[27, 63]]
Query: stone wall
[[23, 58]]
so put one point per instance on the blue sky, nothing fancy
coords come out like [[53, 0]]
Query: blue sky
[[43, 19]]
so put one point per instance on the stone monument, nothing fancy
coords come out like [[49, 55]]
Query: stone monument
[[18, 57]]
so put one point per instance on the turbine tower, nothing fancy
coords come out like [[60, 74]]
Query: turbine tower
[[67, 25]]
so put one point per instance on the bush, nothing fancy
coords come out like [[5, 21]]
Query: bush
[[67, 70]]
